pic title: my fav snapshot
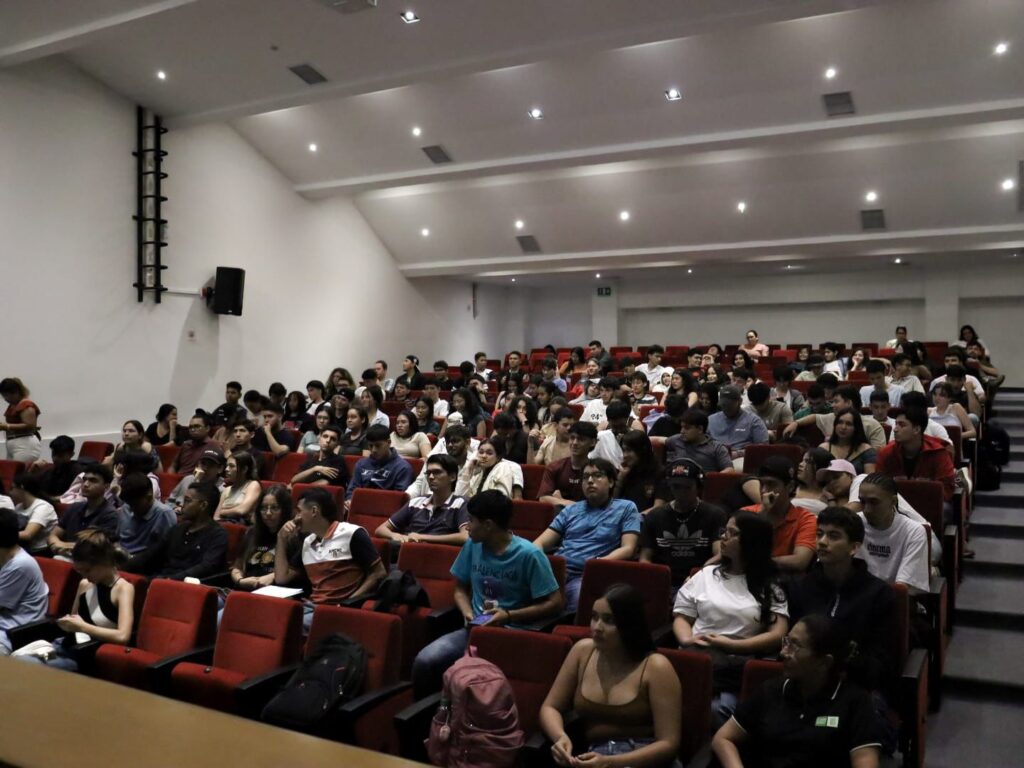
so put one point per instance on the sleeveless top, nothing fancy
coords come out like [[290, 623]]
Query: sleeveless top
[[947, 419], [96, 607], [633, 719]]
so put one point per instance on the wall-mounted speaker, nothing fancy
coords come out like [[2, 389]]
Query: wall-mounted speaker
[[225, 297]]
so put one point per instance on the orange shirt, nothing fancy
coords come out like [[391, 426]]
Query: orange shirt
[[798, 529]]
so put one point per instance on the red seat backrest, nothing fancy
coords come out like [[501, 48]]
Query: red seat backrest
[[167, 453], [96, 450], [431, 564], [756, 673], [269, 462], [350, 463], [8, 469], [380, 634], [338, 490], [416, 464], [258, 633], [755, 454], [287, 466], [177, 617], [533, 474], [141, 584], [658, 446], [62, 581], [654, 582], [371, 507], [717, 484], [557, 563], [168, 482], [694, 671], [531, 518], [956, 435], [926, 497], [236, 532], [530, 661]]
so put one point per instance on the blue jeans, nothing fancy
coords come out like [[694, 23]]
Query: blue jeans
[[572, 592], [624, 747], [62, 660], [429, 666], [723, 705]]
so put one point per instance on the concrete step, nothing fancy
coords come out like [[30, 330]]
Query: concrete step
[[1014, 471], [985, 661], [997, 522], [1010, 494], [996, 556], [995, 602], [971, 731]]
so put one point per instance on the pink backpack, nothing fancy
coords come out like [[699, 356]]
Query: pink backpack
[[477, 723]]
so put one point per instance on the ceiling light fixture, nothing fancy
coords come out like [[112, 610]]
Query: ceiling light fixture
[[598, 274], [536, 113], [689, 271], [425, 232], [623, 215], [513, 279], [161, 75], [410, 17], [789, 266], [1008, 185], [520, 224], [897, 260], [416, 130], [831, 73], [1001, 48], [741, 206], [871, 196], [312, 147], [673, 94]]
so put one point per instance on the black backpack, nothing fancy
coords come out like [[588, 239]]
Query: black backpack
[[400, 588], [333, 674], [995, 448]]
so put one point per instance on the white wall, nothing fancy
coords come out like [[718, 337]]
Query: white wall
[[321, 290]]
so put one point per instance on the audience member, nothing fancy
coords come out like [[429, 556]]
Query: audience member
[[596, 410], [814, 403], [915, 455], [753, 347], [271, 437], [327, 466], [21, 422], [487, 471], [35, 510], [371, 399], [241, 494], [209, 468], [408, 440], [423, 409], [337, 380], [562, 483], [773, 413], [353, 441], [914, 349], [457, 444], [441, 378], [500, 580], [23, 593], [793, 527], [227, 413], [439, 518], [834, 363], [895, 547], [878, 404], [602, 355], [965, 390], [846, 397], [142, 521], [876, 375], [295, 416], [809, 492], [783, 391], [481, 368], [432, 391], [411, 376], [253, 402], [641, 476], [468, 405], [383, 469], [949, 413], [165, 430], [694, 444], [814, 368], [511, 440], [198, 442], [57, 474], [254, 566], [669, 423], [133, 438], [556, 445], [97, 512], [849, 442], [733, 426], [653, 369], [599, 526], [903, 376], [707, 397]]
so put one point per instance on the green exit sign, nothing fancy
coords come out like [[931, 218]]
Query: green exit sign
[[604, 290]]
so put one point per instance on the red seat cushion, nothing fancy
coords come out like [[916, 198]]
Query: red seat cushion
[[123, 665], [211, 687]]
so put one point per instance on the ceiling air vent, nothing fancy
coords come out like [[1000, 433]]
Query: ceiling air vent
[[838, 104], [873, 219], [348, 6], [437, 154], [308, 75], [528, 243]]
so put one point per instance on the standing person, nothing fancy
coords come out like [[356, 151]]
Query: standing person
[[627, 695], [35, 508], [165, 430], [500, 580], [23, 593], [596, 527], [21, 422]]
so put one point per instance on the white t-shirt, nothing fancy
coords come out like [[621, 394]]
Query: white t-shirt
[[894, 392], [904, 508], [441, 408], [971, 381], [897, 554], [42, 513], [594, 412], [909, 384], [6, 502], [722, 603], [607, 447], [653, 374]]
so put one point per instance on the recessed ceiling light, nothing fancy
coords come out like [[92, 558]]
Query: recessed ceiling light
[[520, 224], [624, 215], [161, 75], [741, 206], [598, 274], [897, 260], [673, 94], [513, 279], [1001, 48], [312, 147], [416, 130], [871, 196], [536, 113], [410, 17], [789, 266], [689, 271], [1008, 184], [830, 73], [425, 232]]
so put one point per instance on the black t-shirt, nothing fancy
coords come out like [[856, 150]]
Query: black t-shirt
[[347, 446], [155, 439], [260, 561], [299, 421], [666, 426], [642, 489], [415, 381], [333, 461], [227, 413], [520, 446], [283, 437], [682, 542], [787, 732], [56, 479]]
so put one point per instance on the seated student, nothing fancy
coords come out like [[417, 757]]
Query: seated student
[[774, 413], [198, 441], [423, 408], [467, 405], [196, 547], [562, 483], [549, 374], [271, 436], [253, 402], [408, 439], [627, 696], [511, 440], [97, 512], [618, 423], [310, 442], [978, 360], [754, 348], [383, 469], [295, 416], [241, 494], [411, 376], [878, 402], [556, 445], [639, 394], [277, 393], [641, 476], [104, 604], [57, 474], [599, 526], [511, 385], [800, 363], [733, 426], [315, 389], [781, 723], [242, 435], [733, 610], [895, 547], [876, 375], [353, 441], [596, 410], [814, 368], [809, 491], [142, 520], [338, 558], [849, 442], [432, 392], [441, 377], [372, 398], [326, 467], [457, 444], [815, 402], [742, 361], [133, 438], [653, 369], [685, 533], [501, 580], [793, 537], [783, 392], [35, 511], [743, 379], [254, 566], [232, 409], [23, 592], [694, 444], [903, 376], [165, 430], [845, 397], [400, 394], [669, 423], [440, 518], [487, 471], [949, 413], [834, 363], [210, 467], [955, 358], [916, 455]]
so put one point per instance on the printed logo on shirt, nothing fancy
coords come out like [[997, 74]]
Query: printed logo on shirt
[[882, 551], [830, 721]]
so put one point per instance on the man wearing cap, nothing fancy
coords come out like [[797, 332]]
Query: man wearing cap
[[733, 426], [795, 529], [209, 467], [270, 437], [685, 533], [199, 441], [694, 444], [562, 483], [411, 376], [596, 527], [835, 480]]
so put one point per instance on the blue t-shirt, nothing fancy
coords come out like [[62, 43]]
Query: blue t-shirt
[[516, 578], [23, 593], [588, 532]]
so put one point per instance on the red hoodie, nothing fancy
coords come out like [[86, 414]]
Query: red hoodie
[[933, 463]]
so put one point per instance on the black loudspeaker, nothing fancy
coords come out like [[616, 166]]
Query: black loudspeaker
[[228, 289]]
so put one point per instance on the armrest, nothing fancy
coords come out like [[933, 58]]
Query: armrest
[[159, 673], [914, 707], [361, 705], [412, 725], [441, 621], [222, 579], [253, 694], [85, 654], [566, 617], [664, 637], [44, 629]]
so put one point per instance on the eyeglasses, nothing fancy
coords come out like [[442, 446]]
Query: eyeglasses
[[435, 472], [593, 476], [789, 645]]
